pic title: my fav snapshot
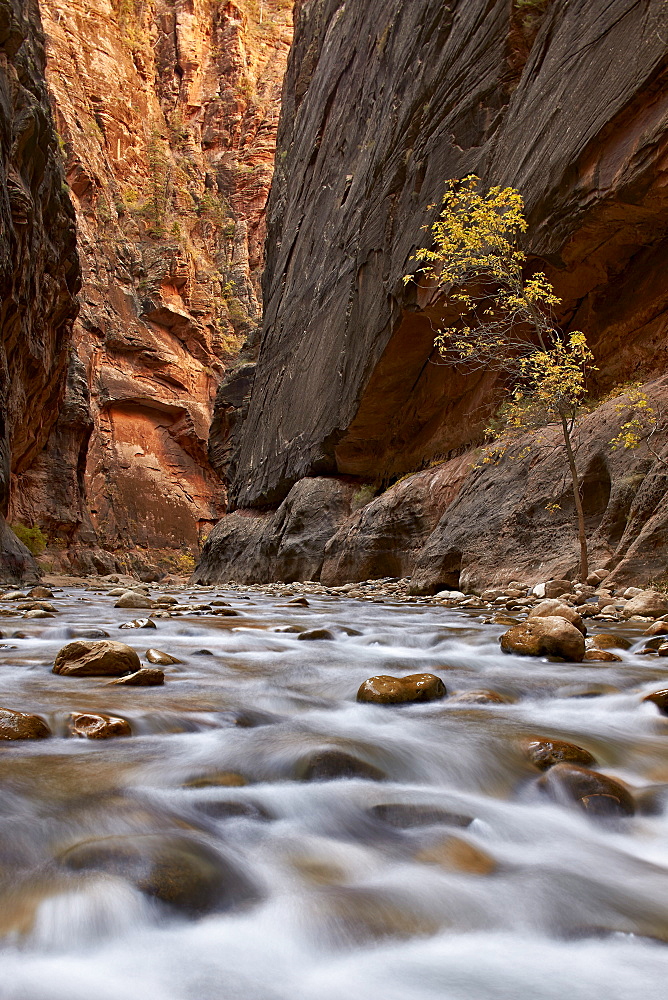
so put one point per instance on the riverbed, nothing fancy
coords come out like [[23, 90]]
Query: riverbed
[[475, 886]]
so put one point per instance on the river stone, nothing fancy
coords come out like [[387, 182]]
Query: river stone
[[299, 602], [35, 606], [387, 690], [660, 699], [96, 726], [145, 677], [166, 600], [41, 593], [548, 609], [555, 588], [596, 793], [545, 637], [219, 779], [406, 815], [38, 614], [22, 726], [106, 658], [663, 649], [163, 659], [456, 854], [139, 623], [329, 765], [606, 640], [131, 599], [481, 697], [231, 809], [176, 870], [651, 603], [546, 753], [14, 595], [657, 628], [602, 656], [317, 633], [87, 633]]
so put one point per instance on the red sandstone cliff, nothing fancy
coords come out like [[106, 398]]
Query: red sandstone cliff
[[167, 113]]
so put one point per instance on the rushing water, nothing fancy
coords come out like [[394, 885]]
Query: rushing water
[[531, 900]]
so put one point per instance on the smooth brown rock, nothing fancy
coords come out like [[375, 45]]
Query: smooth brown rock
[[555, 588], [41, 593], [547, 609], [329, 765], [387, 690], [95, 726], [546, 753], [481, 697], [663, 649], [133, 600], [596, 793], [161, 658], [219, 779], [660, 699], [22, 726], [651, 603], [657, 628], [105, 658], [405, 816], [317, 633], [456, 854], [545, 637], [176, 870], [606, 640], [602, 656], [145, 677], [139, 623]]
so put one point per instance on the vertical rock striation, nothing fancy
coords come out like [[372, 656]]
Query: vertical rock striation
[[39, 268], [383, 102]]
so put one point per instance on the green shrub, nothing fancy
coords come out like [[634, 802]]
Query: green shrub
[[34, 538]]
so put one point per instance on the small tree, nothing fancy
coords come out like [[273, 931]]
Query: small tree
[[506, 320]]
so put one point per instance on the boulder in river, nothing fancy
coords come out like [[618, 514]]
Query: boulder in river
[[139, 623], [176, 870], [131, 599], [602, 656], [22, 726], [329, 764], [163, 659], [607, 640], [94, 726], [481, 696], [387, 690], [406, 815], [546, 753], [551, 636], [317, 633], [145, 677], [547, 609], [595, 793], [555, 588], [650, 603], [657, 628], [457, 854], [105, 658], [40, 593], [660, 699]]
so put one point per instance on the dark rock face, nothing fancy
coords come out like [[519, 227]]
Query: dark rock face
[[286, 545], [383, 102], [39, 268]]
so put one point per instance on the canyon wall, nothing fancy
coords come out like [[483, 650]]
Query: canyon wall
[[167, 113], [566, 100], [39, 269]]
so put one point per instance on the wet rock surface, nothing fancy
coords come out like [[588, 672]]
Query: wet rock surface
[[98, 727], [22, 726], [96, 659], [386, 690]]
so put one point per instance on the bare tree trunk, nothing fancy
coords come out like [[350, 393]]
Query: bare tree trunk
[[582, 534]]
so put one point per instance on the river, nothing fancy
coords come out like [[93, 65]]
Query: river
[[481, 888]]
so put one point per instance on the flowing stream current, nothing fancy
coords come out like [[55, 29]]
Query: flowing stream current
[[476, 886]]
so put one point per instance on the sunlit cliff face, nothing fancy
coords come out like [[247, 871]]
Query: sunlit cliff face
[[167, 115]]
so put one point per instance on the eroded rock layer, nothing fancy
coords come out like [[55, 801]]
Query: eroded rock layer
[[167, 113], [383, 102], [39, 269]]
